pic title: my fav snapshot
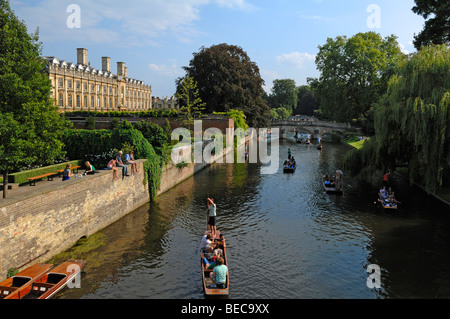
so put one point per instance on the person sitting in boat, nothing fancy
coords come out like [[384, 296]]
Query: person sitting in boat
[[293, 162], [206, 242], [326, 181], [219, 273], [382, 193], [286, 164], [332, 183]]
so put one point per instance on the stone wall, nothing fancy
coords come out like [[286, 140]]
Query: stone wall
[[43, 225]]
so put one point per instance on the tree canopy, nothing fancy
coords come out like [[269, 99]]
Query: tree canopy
[[25, 102], [354, 73], [412, 121], [227, 79], [437, 22], [284, 94]]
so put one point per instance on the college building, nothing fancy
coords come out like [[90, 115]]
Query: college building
[[81, 87]]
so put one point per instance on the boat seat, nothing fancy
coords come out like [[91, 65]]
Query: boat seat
[[5, 291], [41, 286]]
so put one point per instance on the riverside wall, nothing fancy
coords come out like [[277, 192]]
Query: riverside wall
[[40, 223]]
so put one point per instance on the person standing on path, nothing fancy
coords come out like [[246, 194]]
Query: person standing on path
[[212, 216]]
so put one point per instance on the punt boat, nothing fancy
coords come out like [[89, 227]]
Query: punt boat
[[51, 282], [14, 285], [209, 287]]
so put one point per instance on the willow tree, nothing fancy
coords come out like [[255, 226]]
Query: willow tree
[[412, 121]]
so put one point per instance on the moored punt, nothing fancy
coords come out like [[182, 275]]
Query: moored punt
[[388, 205], [208, 283], [331, 189], [16, 284], [51, 282]]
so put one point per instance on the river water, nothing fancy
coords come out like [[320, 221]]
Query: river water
[[286, 238]]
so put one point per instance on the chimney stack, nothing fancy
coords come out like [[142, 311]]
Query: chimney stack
[[82, 56], [106, 64], [126, 72], [121, 68]]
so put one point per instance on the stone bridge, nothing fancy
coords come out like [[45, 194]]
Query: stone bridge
[[288, 128]]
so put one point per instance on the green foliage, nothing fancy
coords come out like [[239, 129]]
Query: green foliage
[[156, 135], [89, 123], [354, 74], [284, 94], [21, 177], [227, 79], [98, 146], [411, 121], [281, 113], [191, 105], [437, 22], [12, 272], [238, 117], [307, 103], [25, 102]]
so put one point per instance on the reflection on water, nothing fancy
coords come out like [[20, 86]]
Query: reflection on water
[[286, 238]]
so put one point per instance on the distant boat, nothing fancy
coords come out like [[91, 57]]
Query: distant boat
[[330, 188], [13, 286], [209, 287], [319, 147]]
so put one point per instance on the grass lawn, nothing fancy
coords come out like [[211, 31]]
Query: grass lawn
[[355, 142]]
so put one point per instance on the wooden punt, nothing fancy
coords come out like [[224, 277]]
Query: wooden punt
[[13, 286], [331, 190], [51, 282], [319, 147], [208, 284], [287, 170], [387, 205]]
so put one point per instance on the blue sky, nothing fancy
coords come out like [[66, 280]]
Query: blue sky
[[156, 38]]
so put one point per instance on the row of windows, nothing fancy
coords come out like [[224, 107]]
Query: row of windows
[[105, 88], [112, 102]]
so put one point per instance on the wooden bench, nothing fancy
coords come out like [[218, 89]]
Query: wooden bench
[[33, 179]]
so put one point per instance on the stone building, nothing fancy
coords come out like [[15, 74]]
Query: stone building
[[165, 103], [79, 86]]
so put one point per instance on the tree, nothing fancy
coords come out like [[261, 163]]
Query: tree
[[284, 94], [191, 104], [412, 121], [437, 24], [227, 79], [307, 103], [25, 102], [354, 73]]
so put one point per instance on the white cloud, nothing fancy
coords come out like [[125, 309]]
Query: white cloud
[[169, 71], [297, 59], [118, 21]]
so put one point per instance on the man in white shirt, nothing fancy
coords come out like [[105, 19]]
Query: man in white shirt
[[212, 216]]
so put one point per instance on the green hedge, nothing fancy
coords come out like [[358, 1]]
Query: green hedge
[[98, 147], [21, 177]]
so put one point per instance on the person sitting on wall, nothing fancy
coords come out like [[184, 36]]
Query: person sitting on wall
[[119, 163], [112, 166], [90, 169], [67, 174], [129, 159]]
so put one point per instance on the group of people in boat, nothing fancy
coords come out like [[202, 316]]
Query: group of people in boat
[[213, 254], [387, 197], [290, 163], [334, 181]]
